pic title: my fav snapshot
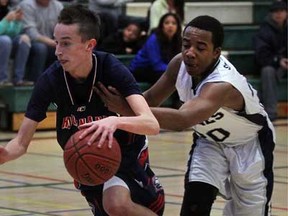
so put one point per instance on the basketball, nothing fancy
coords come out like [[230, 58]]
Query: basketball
[[88, 164]]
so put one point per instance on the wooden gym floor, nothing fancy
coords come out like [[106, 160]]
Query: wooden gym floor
[[38, 184]]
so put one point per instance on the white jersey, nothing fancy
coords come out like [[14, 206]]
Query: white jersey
[[233, 150], [226, 126]]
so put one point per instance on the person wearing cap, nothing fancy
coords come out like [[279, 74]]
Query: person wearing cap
[[271, 54]]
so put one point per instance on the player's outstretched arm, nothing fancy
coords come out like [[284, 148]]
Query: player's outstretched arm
[[194, 111], [18, 146]]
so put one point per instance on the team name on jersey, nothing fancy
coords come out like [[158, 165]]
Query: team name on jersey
[[69, 121], [213, 118], [208, 131]]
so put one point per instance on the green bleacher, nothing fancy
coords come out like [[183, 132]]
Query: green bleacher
[[237, 45]]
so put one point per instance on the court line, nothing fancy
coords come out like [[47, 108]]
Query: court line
[[52, 185], [29, 185], [33, 176], [216, 201], [72, 210], [26, 211]]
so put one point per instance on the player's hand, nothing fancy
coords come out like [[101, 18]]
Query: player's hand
[[113, 99], [103, 128]]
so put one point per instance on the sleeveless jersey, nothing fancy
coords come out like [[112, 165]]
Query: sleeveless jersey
[[226, 126]]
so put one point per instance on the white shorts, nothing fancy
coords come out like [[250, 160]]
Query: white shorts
[[114, 181], [236, 171]]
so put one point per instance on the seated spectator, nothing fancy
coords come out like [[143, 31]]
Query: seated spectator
[[126, 41], [40, 18], [160, 7], [13, 44], [113, 17], [161, 46], [271, 55]]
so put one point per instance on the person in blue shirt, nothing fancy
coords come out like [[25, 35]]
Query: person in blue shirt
[[161, 46]]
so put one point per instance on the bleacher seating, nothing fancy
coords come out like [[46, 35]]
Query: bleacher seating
[[13, 103], [228, 12], [241, 19]]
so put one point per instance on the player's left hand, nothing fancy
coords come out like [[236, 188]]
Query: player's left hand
[[103, 128]]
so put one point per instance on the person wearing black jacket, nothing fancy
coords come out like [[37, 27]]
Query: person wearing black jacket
[[271, 54], [126, 41]]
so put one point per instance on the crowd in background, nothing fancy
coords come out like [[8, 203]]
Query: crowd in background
[[26, 35], [26, 40]]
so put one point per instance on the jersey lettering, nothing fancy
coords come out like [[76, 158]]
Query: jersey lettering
[[213, 118], [226, 66], [69, 121], [216, 134]]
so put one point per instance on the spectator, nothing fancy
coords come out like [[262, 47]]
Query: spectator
[[271, 55], [162, 45], [113, 18], [126, 41], [13, 44], [40, 18], [160, 7]]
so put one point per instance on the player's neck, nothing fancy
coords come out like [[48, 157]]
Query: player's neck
[[82, 71]]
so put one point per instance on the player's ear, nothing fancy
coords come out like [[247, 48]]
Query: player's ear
[[217, 52], [91, 44]]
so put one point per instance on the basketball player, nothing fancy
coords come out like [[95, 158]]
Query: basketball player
[[232, 151], [69, 83]]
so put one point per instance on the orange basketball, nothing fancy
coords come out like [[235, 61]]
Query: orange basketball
[[89, 164]]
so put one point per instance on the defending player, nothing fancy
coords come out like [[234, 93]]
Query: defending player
[[232, 151], [69, 83]]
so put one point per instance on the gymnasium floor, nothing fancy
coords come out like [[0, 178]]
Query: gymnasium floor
[[38, 184]]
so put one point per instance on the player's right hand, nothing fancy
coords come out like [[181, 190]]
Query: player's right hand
[[113, 99]]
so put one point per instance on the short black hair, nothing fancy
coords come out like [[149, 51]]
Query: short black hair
[[210, 24], [88, 21]]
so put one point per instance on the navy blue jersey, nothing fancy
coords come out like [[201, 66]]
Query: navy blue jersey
[[76, 105]]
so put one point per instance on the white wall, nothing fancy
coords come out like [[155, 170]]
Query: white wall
[[225, 12]]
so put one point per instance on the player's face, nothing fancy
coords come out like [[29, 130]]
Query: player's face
[[73, 53], [198, 50]]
